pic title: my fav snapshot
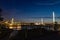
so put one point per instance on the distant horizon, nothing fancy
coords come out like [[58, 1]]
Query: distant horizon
[[36, 19], [46, 20]]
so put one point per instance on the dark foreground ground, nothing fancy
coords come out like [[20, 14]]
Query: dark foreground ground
[[34, 34]]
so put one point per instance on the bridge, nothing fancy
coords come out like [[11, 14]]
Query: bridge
[[19, 25]]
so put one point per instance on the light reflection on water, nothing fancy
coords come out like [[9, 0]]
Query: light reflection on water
[[33, 27], [29, 27]]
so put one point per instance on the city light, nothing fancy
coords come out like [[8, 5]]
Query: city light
[[10, 27], [37, 23]]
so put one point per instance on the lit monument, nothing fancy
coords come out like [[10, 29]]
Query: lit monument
[[53, 17]]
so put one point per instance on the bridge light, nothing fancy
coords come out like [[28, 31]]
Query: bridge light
[[37, 23]]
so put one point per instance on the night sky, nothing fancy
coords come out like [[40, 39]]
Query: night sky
[[29, 8]]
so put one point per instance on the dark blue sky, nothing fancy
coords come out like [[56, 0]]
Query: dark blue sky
[[29, 8]]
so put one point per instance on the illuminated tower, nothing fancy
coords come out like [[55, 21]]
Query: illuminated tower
[[12, 21], [42, 21], [53, 17]]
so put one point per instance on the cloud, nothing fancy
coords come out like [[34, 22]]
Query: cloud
[[47, 3], [44, 3], [57, 2]]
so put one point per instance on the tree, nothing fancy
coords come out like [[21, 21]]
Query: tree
[[56, 26]]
